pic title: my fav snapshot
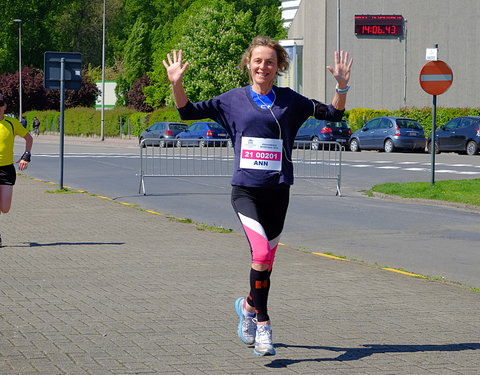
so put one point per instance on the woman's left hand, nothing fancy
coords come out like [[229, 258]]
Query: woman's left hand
[[341, 70]]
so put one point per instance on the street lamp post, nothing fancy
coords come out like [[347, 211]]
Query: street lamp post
[[102, 125], [338, 26], [19, 67]]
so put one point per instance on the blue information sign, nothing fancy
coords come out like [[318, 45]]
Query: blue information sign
[[72, 71]]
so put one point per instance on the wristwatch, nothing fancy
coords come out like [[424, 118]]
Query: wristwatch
[[27, 155], [342, 91]]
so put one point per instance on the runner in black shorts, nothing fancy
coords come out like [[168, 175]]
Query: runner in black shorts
[[9, 128], [8, 175]]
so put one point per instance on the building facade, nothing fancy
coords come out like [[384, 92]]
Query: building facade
[[388, 55], [289, 10]]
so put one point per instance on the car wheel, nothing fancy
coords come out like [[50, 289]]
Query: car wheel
[[314, 145], [178, 143], [429, 147], [143, 145], [389, 146], [354, 145], [472, 148], [162, 143], [202, 143]]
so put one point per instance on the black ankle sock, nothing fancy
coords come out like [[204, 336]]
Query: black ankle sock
[[259, 288], [250, 300]]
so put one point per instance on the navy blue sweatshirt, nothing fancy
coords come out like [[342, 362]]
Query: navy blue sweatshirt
[[236, 111]]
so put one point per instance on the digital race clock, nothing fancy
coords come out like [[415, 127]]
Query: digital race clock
[[378, 25]]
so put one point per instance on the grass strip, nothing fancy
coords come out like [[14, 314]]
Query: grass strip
[[459, 191]]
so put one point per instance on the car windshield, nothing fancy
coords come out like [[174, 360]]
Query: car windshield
[[409, 124]]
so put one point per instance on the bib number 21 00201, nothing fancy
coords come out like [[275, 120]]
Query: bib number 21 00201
[[261, 153]]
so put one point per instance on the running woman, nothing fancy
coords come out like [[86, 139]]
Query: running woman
[[262, 121], [9, 128]]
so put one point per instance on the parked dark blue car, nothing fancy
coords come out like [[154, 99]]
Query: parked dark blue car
[[462, 135], [388, 134], [203, 134], [317, 131]]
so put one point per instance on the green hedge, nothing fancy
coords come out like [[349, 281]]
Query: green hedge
[[124, 121], [81, 121], [48, 120]]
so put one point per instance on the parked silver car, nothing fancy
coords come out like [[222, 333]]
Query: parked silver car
[[388, 134], [162, 134]]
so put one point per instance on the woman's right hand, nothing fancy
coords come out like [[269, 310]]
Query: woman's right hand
[[174, 67]]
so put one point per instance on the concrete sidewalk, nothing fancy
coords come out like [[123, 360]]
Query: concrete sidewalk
[[91, 286]]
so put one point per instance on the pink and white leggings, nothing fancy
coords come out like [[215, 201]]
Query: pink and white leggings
[[262, 212]]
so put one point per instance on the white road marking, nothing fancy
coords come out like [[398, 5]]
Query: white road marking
[[373, 164]]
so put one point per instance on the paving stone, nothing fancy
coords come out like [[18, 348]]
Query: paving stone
[[90, 286]]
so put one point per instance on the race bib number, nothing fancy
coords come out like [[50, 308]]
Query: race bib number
[[261, 153]]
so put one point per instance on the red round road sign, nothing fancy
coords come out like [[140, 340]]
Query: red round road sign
[[435, 77]]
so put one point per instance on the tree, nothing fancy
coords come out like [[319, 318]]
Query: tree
[[58, 25], [36, 97], [269, 23], [214, 41], [213, 35], [136, 96], [137, 52], [33, 93], [79, 26], [266, 15], [157, 16], [136, 60], [76, 26], [37, 33], [164, 38], [121, 92], [85, 97]]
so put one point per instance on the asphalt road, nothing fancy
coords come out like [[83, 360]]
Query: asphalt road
[[430, 240]]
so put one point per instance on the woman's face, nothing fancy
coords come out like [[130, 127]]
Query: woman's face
[[263, 66]]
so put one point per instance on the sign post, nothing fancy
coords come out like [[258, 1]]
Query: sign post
[[62, 72], [435, 78]]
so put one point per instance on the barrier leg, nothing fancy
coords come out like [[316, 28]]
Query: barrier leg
[[141, 188]]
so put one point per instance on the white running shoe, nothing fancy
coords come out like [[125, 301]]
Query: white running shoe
[[263, 340], [248, 323]]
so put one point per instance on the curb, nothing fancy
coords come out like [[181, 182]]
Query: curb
[[432, 202]]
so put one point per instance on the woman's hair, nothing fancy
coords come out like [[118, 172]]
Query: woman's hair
[[265, 41]]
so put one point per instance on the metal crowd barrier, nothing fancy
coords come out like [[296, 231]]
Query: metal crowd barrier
[[215, 159]]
